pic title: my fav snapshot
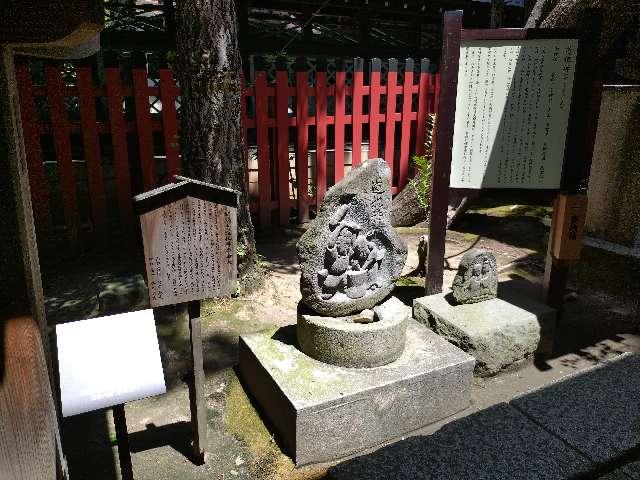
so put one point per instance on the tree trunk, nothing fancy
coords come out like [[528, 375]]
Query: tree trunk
[[208, 68], [406, 210]]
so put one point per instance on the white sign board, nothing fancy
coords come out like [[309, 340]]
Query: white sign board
[[106, 361], [512, 110]]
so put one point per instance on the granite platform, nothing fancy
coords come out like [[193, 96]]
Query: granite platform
[[323, 412], [497, 332]]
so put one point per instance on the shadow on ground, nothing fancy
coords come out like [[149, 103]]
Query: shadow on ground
[[582, 427]]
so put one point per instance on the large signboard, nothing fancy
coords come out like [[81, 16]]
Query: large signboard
[[108, 361], [512, 111]]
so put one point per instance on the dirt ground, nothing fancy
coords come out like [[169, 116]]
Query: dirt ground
[[600, 321]]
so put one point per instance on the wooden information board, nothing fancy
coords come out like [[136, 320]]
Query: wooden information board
[[512, 110], [189, 238], [514, 115], [189, 243]]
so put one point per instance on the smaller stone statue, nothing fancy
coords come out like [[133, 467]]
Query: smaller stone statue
[[477, 277]]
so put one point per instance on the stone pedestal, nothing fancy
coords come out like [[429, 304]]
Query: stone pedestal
[[324, 412], [497, 332]]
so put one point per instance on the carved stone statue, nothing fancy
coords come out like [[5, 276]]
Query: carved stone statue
[[477, 277], [351, 256]]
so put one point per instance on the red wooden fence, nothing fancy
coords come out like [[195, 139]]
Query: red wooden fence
[[291, 176]]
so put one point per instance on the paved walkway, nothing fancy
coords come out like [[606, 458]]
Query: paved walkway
[[583, 426]]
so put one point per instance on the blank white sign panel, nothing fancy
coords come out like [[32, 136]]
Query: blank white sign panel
[[512, 111], [109, 360]]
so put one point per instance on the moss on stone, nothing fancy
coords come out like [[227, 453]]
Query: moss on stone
[[244, 423]]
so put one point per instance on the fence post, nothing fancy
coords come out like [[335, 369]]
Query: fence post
[[245, 128], [357, 118], [340, 95], [424, 102], [302, 140], [282, 129], [56, 93], [143, 120], [321, 130], [389, 140], [91, 142], [31, 132], [405, 135], [262, 131], [168, 94], [375, 89], [115, 98]]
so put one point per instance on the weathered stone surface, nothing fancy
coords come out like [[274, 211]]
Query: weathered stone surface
[[498, 443], [360, 341], [596, 411], [323, 412], [497, 332], [351, 256], [477, 277]]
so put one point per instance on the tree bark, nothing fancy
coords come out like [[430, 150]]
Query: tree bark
[[208, 68], [406, 210]]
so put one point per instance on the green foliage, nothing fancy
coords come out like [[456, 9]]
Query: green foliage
[[421, 182]]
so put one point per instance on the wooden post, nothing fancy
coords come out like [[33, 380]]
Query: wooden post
[[302, 139], [282, 141], [196, 383], [452, 26], [340, 97], [262, 133], [122, 437], [321, 130], [582, 116]]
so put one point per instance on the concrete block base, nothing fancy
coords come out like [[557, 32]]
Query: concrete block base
[[324, 412], [497, 332]]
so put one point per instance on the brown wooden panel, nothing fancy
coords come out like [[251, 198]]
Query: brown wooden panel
[[566, 237], [28, 422], [190, 251]]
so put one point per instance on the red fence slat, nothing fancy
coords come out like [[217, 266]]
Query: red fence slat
[[424, 95], [91, 143], [264, 167], [302, 145], [143, 123], [390, 130], [357, 117], [374, 107], [282, 120], [321, 135], [120, 149], [405, 136], [340, 94], [31, 132], [169, 122], [62, 143]]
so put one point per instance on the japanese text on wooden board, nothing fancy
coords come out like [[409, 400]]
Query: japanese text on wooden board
[[512, 111], [189, 248]]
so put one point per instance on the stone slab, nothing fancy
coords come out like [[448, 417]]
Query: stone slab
[[596, 411], [499, 443], [497, 332], [324, 412]]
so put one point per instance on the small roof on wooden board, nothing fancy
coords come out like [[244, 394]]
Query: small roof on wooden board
[[185, 187]]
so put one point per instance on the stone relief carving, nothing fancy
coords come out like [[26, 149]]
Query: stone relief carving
[[351, 259]]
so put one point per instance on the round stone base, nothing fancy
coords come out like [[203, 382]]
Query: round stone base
[[359, 341]]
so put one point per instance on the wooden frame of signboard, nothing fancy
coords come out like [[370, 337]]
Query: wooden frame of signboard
[[575, 156]]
